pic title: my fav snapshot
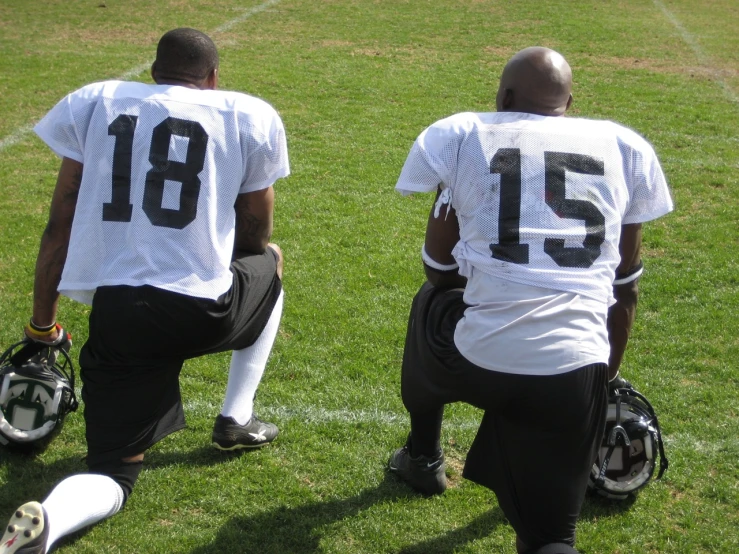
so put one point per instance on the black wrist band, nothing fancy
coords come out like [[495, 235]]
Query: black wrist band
[[40, 329]]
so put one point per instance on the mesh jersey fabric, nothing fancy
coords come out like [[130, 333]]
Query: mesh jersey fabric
[[513, 328], [540, 274], [566, 186], [163, 166]]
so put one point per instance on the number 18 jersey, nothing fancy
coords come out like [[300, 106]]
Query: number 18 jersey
[[540, 200], [163, 166]]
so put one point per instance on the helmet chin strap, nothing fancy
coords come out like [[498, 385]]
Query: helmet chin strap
[[617, 432], [625, 403]]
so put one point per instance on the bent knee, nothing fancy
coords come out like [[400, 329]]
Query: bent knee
[[123, 472]]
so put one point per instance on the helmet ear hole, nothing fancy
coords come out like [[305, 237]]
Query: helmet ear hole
[[631, 446], [35, 397]]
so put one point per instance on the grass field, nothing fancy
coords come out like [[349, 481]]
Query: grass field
[[355, 82]]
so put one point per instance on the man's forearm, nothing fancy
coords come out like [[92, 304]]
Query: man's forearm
[[55, 242], [49, 266], [254, 220], [620, 320], [252, 234]]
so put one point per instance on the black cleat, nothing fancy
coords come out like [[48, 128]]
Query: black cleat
[[426, 474], [27, 531], [229, 435]]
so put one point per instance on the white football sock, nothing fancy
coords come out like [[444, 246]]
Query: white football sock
[[79, 501], [247, 367]]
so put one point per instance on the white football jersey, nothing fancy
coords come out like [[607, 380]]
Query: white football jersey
[[540, 202], [163, 166]]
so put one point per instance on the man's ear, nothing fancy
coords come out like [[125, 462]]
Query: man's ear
[[508, 99], [569, 103], [153, 71], [211, 81]]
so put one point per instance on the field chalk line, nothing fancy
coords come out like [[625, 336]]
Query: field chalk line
[[20, 133], [697, 50], [307, 415]]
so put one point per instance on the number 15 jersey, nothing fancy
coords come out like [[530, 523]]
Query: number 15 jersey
[[163, 166], [540, 200]]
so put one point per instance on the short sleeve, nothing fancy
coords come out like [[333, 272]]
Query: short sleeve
[[266, 158], [64, 128], [649, 194], [433, 157]]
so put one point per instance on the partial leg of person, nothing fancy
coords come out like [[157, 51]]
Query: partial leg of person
[[423, 468], [535, 450], [237, 426], [75, 503], [426, 386], [132, 399], [425, 435], [551, 548], [254, 305]]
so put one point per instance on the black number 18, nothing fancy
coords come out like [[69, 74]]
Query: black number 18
[[120, 208]]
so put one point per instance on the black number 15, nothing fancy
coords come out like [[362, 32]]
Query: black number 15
[[507, 162], [186, 173]]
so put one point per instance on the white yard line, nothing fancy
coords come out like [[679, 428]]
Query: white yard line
[[309, 415], [316, 415], [16, 136], [703, 59], [21, 133], [246, 14]]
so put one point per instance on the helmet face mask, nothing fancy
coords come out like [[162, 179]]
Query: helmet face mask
[[36, 394], [631, 446]]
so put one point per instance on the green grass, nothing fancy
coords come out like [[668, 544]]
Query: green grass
[[355, 82]]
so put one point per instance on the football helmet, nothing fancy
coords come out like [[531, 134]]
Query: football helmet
[[36, 394], [628, 454]]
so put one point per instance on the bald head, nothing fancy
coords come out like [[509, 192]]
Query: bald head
[[535, 80]]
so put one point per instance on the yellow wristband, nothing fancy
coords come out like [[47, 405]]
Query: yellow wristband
[[33, 331]]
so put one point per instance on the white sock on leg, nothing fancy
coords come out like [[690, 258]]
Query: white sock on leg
[[79, 501], [247, 367]]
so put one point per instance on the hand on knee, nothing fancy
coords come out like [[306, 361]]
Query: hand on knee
[[280, 258]]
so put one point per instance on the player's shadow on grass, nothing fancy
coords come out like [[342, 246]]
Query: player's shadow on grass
[[30, 478], [298, 530], [480, 527], [33, 478], [598, 507]]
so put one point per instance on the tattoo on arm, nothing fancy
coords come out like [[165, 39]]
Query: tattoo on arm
[[252, 231], [55, 241], [254, 217], [76, 181], [247, 223]]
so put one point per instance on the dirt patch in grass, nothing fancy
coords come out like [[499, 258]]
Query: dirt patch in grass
[[669, 66], [456, 465]]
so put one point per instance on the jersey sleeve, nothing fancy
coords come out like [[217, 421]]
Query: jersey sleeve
[[649, 194], [266, 158], [433, 158], [64, 128]]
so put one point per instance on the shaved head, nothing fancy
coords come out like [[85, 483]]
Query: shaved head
[[535, 80], [185, 55]]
